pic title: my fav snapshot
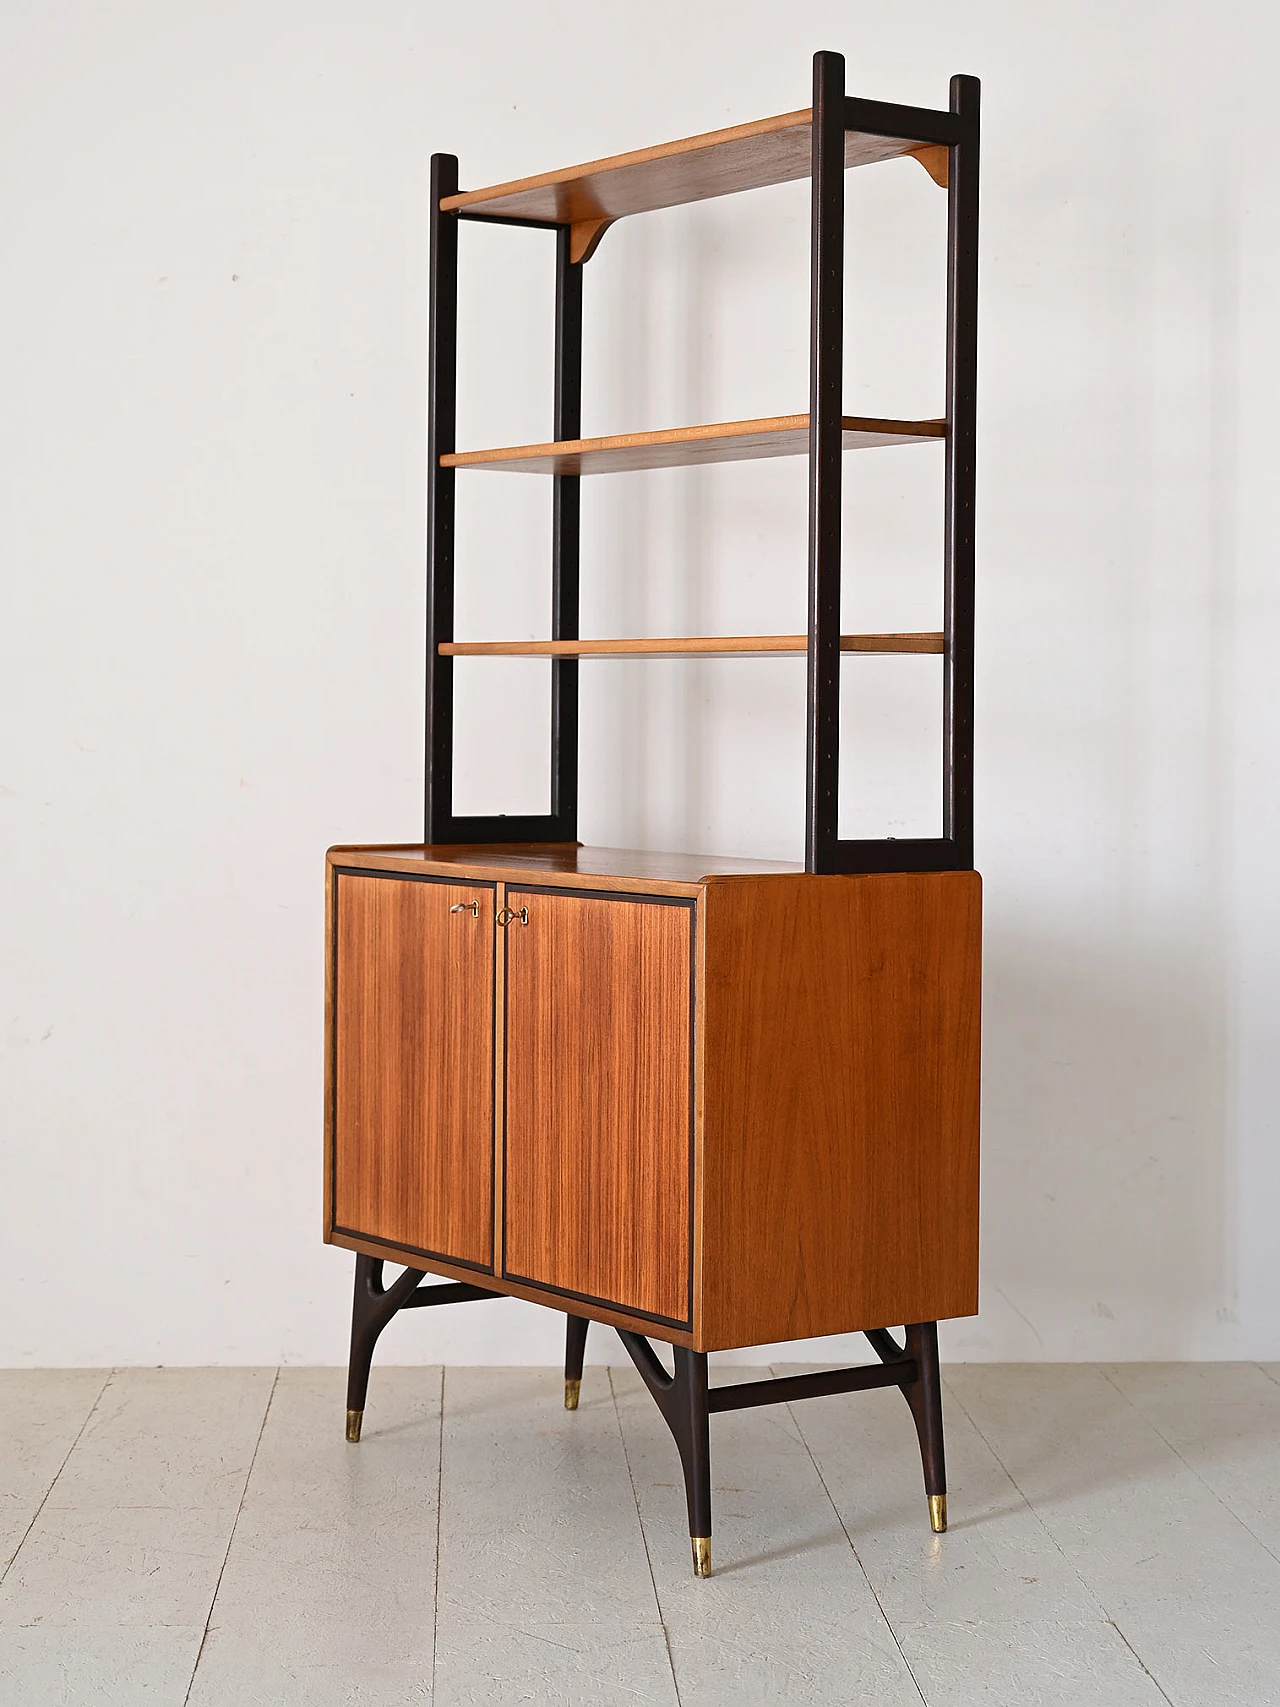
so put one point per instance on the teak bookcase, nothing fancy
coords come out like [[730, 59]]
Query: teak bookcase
[[714, 1102]]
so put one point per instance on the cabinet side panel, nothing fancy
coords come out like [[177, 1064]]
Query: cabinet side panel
[[330, 889], [412, 1033], [841, 1078], [598, 1105]]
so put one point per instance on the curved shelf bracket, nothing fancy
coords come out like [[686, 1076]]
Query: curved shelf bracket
[[935, 157], [585, 235]]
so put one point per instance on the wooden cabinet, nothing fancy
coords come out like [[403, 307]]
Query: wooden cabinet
[[721, 1104]]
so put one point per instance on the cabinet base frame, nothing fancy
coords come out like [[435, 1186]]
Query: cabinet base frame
[[685, 1397]]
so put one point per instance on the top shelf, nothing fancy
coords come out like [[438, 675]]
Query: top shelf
[[718, 163]]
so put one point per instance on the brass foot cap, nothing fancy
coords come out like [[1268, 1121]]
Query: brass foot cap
[[571, 1392], [354, 1419], [937, 1513], [701, 1555]]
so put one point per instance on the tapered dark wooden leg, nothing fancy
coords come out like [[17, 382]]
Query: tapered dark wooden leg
[[372, 1307], [575, 1345], [924, 1395], [683, 1400], [693, 1437]]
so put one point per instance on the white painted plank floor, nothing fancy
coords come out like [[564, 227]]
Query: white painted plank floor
[[207, 1538]]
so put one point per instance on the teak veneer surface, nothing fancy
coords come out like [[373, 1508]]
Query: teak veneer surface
[[695, 168], [412, 1019], [740, 646], [840, 1104], [687, 447], [566, 863], [598, 1118]]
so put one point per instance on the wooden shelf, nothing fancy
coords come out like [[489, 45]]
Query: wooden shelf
[[719, 163], [738, 646], [684, 447]]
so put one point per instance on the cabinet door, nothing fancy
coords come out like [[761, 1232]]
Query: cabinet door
[[412, 1040], [599, 1076]]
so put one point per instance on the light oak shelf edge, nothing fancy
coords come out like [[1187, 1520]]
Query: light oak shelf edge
[[736, 646], [685, 447]]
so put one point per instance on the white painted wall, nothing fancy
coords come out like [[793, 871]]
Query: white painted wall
[[214, 342]]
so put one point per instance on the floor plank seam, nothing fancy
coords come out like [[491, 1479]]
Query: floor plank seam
[[1070, 1563], [1187, 1464], [35, 1516], [849, 1538], [1141, 1662], [235, 1522], [435, 1599], [644, 1539]]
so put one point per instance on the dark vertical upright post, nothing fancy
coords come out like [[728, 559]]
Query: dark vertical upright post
[[442, 389], [826, 406], [962, 381], [566, 502]]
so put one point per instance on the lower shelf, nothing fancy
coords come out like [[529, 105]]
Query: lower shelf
[[721, 646], [688, 447]]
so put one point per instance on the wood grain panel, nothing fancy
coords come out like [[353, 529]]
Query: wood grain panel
[[598, 1104], [741, 646], [717, 163], [412, 1045], [839, 1097], [688, 447], [497, 1209], [330, 893], [565, 863]]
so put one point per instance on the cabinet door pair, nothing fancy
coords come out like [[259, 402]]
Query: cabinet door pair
[[517, 1099]]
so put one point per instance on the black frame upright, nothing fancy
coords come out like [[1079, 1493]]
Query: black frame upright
[[443, 825], [834, 114]]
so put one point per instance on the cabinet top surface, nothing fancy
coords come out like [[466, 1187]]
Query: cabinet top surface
[[555, 861]]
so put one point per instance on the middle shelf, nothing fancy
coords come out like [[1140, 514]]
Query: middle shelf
[[683, 447], [734, 646]]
